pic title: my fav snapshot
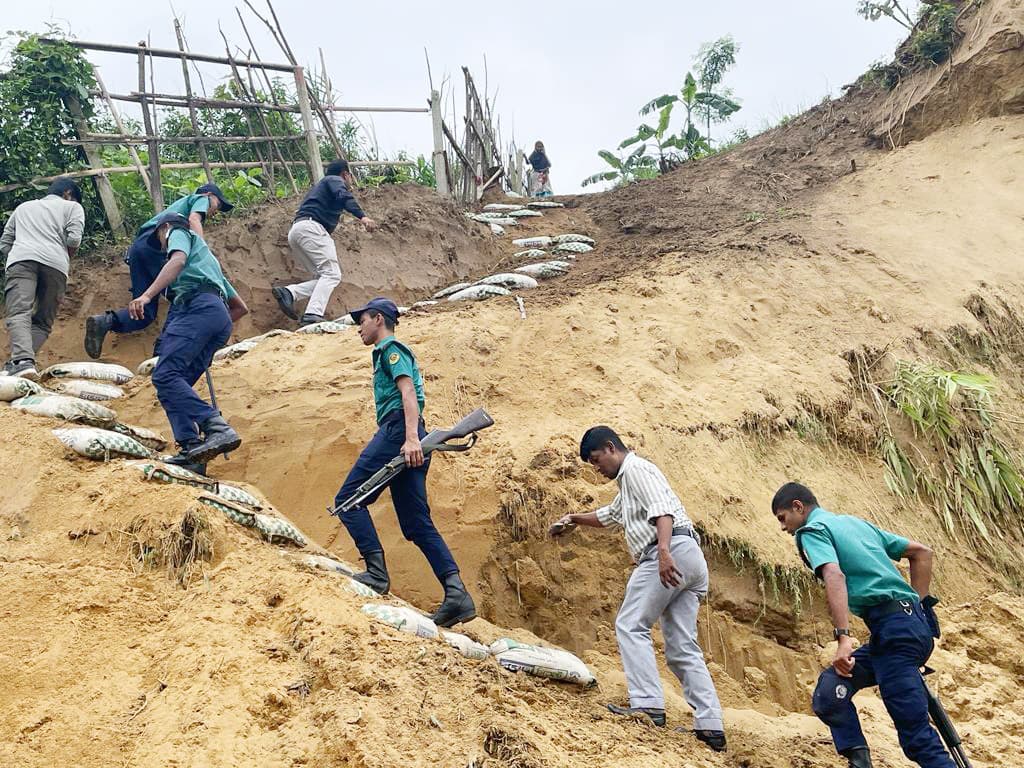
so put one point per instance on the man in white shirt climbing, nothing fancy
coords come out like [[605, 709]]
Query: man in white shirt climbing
[[39, 239], [667, 584]]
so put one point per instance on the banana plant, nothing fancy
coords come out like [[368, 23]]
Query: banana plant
[[690, 141], [635, 166], [664, 144]]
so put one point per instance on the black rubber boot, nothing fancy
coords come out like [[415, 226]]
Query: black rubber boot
[[285, 301], [96, 329], [714, 739], [309, 319], [376, 574], [458, 606], [218, 438], [857, 757], [657, 716]]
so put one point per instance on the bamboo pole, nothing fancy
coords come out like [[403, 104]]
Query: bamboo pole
[[103, 187], [120, 126], [316, 170], [173, 100], [115, 138], [440, 158], [191, 109], [163, 53], [156, 192]]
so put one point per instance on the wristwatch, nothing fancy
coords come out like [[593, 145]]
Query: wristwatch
[[837, 633]]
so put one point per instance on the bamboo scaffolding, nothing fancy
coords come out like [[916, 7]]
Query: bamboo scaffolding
[[119, 124], [191, 109]]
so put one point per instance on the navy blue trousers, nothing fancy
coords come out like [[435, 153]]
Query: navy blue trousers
[[144, 264], [900, 644], [408, 493], [193, 332]]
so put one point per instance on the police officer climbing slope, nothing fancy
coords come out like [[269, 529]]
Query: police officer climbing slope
[[198, 324], [855, 561]]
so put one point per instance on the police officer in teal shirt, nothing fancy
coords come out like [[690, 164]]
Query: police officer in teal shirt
[[398, 399], [855, 561]]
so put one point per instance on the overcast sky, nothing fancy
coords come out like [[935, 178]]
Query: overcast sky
[[573, 73]]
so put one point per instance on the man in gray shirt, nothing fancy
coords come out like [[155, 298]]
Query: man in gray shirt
[[670, 578], [39, 239]]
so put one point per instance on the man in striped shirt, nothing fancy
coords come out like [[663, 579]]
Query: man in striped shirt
[[670, 578]]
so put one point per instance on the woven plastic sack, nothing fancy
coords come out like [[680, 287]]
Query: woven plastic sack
[[170, 473], [71, 409], [146, 366], [533, 242], [455, 288], [545, 204], [466, 646], [327, 326], [14, 387], [478, 293], [101, 443], [87, 390], [271, 527], [486, 216], [510, 280], [235, 350], [572, 248], [530, 253], [553, 663], [571, 237], [542, 271], [327, 564], [404, 619], [152, 440], [501, 207], [496, 229], [524, 213], [96, 371], [423, 304]]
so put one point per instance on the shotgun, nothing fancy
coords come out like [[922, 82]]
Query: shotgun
[[945, 726], [436, 440]]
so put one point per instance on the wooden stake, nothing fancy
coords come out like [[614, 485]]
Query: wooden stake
[[440, 158], [120, 126], [191, 108], [156, 192], [316, 169], [106, 191]]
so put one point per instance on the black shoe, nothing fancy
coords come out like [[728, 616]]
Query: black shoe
[[218, 438], [458, 606], [181, 458], [376, 574], [714, 739], [285, 301], [657, 716], [26, 369], [308, 319], [96, 329], [857, 757]]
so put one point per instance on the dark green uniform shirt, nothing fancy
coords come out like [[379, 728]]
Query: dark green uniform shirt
[[201, 270], [391, 359], [186, 206], [864, 553]]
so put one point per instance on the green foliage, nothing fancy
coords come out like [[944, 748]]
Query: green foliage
[[634, 167], [873, 11], [932, 37], [968, 474]]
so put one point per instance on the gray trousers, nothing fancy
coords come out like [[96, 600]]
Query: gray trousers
[[314, 250], [646, 602], [32, 295]]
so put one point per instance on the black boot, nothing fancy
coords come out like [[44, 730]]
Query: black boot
[[96, 329], [657, 716], [376, 574], [458, 606], [181, 459], [308, 319], [857, 757], [218, 438], [714, 739], [285, 301]]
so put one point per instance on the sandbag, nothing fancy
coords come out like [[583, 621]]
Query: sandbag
[[553, 663], [96, 371], [543, 270], [572, 247], [510, 280], [424, 304], [327, 326], [496, 229], [571, 237], [524, 213], [271, 527], [146, 366], [327, 564], [14, 387], [152, 440], [479, 292], [101, 443], [466, 646], [404, 619], [533, 242], [487, 215], [72, 409], [501, 207], [171, 473], [450, 290], [530, 253], [545, 204], [87, 390], [235, 350]]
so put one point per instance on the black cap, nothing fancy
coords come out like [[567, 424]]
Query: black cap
[[386, 307], [214, 190], [176, 220]]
